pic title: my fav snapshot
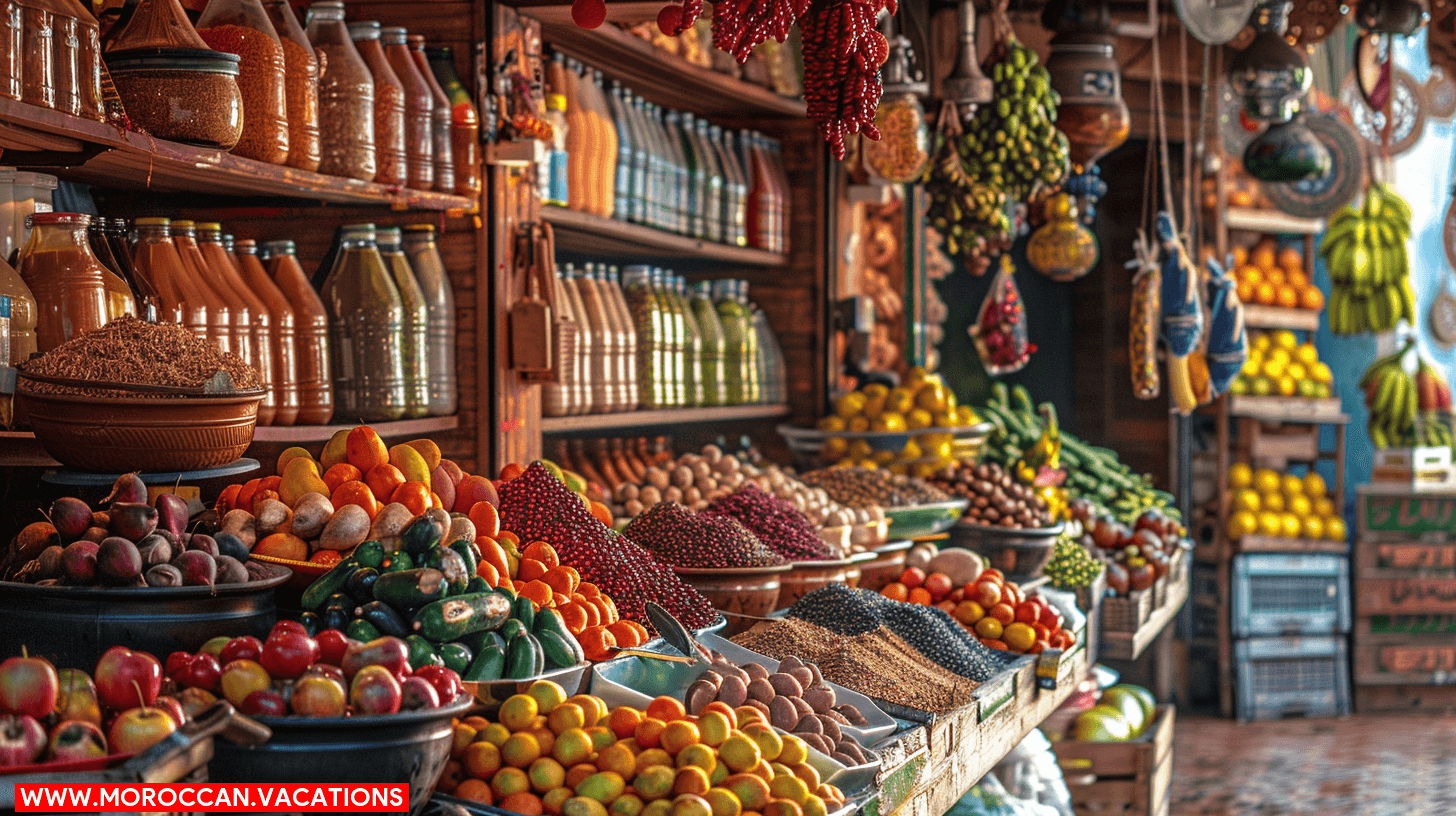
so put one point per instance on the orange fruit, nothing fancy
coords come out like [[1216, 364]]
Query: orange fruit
[[573, 616], [1247, 292], [649, 733], [562, 578], [481, 759], [666, 708], [283, 545], [1276, 277], [623, 720], [602, 512], [414, 495], [896, 591], [679, 734], [1251, 275], [485, 518], [1287, 296], [626, 636], [543, 552], [494, 554], [475, 790], [530, 569], [994, 643], [1264, 294], [1291, 260], [226, 500], [1296, 278], [526, 803], [1263, 256], [354, 492], [920, 595], [912, 577], [488, 572], [365, 450], [340, 473], [538, 592], [1003, 612], [598, 643], [1312, 298], [383, 480]]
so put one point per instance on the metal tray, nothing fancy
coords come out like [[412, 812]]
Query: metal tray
[[922, 520]]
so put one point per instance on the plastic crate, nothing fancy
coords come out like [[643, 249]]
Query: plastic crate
[[1278, 677], [1277, 594]]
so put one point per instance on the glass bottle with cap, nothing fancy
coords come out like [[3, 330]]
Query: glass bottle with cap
[[464, 122], [627, 363], [227, 331], [389, 106], [68, 283], [429, 269], [346, 97], [242, 27], [37, 68], [647, 322], [284, 378], [155, 258], [414, 346], [366, 324], [7, 367], [260, 335], [419, 110], [22, 313], [440, 152], [312, 357], [301, 80]]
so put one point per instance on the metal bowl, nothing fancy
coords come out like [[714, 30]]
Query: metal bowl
[[1019, 554], [807, 443]]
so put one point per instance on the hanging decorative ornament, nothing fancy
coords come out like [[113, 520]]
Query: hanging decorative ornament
[[1228, 346], [1000, 331], [966, 86], [1405, 109], [1322, 197], [1398, 17], [1182, 307], [1062, 249], [1092, 113], [1312, 21], [1144, 318], [903, 150], [1213, 22], [1271, 76]]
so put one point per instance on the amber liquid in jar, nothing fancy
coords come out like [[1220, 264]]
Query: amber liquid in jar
[[441, 154], [389, 106], [311, 342], [284, 334], [227, 332], [68, 283], [260, 327], [419, 111], [156, 259], [11, 43]]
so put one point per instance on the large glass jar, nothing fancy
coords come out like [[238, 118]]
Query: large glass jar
[[429, 269], [78, 52], [440, 153], [419, 110], [184, 95], [366, 324], [37, 70], [242, 27], [11, 39], [346, 97], [301, 79], [414, 348], [903, 149], [389, 105], [68, 283], [311, 338]]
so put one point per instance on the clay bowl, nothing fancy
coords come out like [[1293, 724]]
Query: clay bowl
[[887, 566], [738, 591], [807, 576]]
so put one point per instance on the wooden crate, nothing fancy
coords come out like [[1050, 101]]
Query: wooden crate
[[1126, 778], [1121, 614], [1417, 468]]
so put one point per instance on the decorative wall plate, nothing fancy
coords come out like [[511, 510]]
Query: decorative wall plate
[[1407, 109], [1442, 317], [1322, 197], [1440, 94]]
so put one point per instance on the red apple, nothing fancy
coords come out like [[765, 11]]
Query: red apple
[[315, 695], [390, 652], [332, 645], [75, 740], [287, 626], [28, 685], [122, 673], [195, 700], [214, 646], [201, 671], [288, 654], [264, 702], [22, 740], [140, 728], [1140, 576], [173, 707], [77, 697], [375, 691], [240, 648], [417, 694], [241, 678], [332, 672], [176, 661], [445, 681]]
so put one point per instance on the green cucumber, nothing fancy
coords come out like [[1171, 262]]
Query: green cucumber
[[549, 620], [448, 562], [415, 587], [476, 585], [335, 617], [327, 584], [370, 554], [505, 592], [512, 627], [524, 657], [398, 562], [421, 652], [457, 656], [362, 631], [1000, 396], [465, 548], [454, 618], [489, 664], [383, 617], [360, 585], [557, 651], [475, 641], [420, 535], [524, 610]]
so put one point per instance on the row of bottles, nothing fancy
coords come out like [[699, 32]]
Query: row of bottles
[[356, 99], [50, 56], [379, 343], [646, 338], [616, 155]]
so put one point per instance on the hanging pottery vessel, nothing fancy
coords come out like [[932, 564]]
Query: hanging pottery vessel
[[1270, 75], [1287, 151], [1062, 249]]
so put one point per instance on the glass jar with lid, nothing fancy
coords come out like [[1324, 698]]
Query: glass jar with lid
[[346, 97], [366, 324], [301, 78], [242, 27], [68, 283], [419, 110], [389, 105], [183, 95], [440, 151], [424, 259], [37, 61]]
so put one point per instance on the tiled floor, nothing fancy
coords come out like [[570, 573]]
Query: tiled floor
[[1364, 765]]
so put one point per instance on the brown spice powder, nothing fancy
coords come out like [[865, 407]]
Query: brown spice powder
[[878, 664], [132, 351]]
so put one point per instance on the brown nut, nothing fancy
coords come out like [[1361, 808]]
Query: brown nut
[[790, 663], [830, 728], [852, 714], [782, 714], [803, 675], [699, 694], [786, 685], [755, 671], [734, 671], [837, 717], [849, 746], [734, 691], [809, 725], [818, 678], [712, 677], [819, 698], [819, 743], [761, 690], [800, 706], [844, 759], [760, 705]]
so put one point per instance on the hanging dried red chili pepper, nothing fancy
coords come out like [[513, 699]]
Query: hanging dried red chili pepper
[[674, 19]]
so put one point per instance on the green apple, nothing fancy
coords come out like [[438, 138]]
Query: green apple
[[1101, 723], [1122, 699]]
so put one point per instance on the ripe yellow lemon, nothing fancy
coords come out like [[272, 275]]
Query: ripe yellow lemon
[[1314, 485], [1240, 475]]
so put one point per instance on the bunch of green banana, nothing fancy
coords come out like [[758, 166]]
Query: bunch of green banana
[[970, 215], [1391, 396], [1013, 143], [1365, 249]]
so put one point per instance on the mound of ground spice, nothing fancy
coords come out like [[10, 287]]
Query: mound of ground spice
[[135, 352], [878, 664]]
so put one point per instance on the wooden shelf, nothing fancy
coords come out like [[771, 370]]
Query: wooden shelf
[[22, 449], [322, 433], [1269, 544], [1278, 317], [1271, 221], [658, 76], [97, 153], [670, 416], [1289, 409], [589, 234]]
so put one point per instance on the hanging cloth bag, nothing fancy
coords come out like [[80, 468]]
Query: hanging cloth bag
[[1228, 345], [1182, 307]]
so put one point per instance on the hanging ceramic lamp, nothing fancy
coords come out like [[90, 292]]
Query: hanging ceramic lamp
[[1271, 76], [1398, 17], [966, 86]]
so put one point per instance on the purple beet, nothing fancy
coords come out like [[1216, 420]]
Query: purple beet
[[50, 561], [128, 489], [205, 543], [230, 570], [164, 575], [229, 544], [132, 521], [79, 561], [71, 517], [101, 518], [118, 560], [171, 512], [156, 549], [198, 568], [95, 534]]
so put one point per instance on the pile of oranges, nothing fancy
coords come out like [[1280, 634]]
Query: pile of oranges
[[552, 754], [1269, 276], [993, 609]]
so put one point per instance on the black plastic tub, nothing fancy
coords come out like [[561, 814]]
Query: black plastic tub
[[72, 626], [411, 746]]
